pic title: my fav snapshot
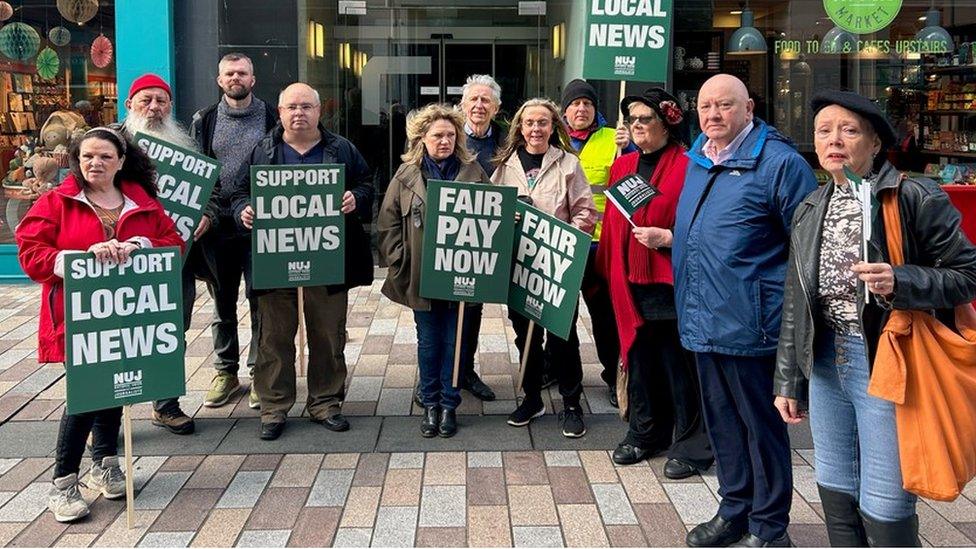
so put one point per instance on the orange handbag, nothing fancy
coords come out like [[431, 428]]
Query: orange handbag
[[929, 372]]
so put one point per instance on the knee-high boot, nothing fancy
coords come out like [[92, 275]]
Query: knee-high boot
[[901, 533], [844, 526]]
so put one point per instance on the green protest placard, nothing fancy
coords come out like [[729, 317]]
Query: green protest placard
[[628, 40], [547, 272], [299, 230], [185, 180], [123, 329], [467, 253], [630, 193]]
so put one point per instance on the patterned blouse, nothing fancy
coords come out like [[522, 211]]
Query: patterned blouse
[[840, 249]]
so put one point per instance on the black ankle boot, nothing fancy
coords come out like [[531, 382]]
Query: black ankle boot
[[431, 421], [844, 526], [901, 533], [448, 424]]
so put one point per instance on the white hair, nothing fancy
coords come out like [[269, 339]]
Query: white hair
[[315, 92], [167, 129], [482, 80]]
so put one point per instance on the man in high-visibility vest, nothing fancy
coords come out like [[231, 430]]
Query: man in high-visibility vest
[[597, 146]]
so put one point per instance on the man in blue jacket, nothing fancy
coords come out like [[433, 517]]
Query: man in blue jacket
[[731, 242]]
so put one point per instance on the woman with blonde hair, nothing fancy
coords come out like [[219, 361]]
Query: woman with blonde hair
[[435, 151], [540, 163]]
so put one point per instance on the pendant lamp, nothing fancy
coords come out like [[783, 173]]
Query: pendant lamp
[[746, 40], [933, 31]]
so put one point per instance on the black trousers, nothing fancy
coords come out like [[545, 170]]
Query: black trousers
[[664, 400], [73, 432], [563, 357], [232, 252], [469, 338], [596, 294]]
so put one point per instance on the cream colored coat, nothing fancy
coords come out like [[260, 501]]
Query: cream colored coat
[[561, 188]]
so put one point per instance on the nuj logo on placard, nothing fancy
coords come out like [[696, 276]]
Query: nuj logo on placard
[[464, 285], [299, 270], [534, 306], [127, 384], [624, 64]]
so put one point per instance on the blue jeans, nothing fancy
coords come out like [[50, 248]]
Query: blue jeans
[[854, 436], [436, 330]]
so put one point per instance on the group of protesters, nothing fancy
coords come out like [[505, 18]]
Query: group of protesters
[[722, 310]]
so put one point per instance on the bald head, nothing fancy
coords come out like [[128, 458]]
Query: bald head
[[299, 109], [724, 108]]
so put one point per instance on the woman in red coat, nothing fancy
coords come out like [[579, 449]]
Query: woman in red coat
[[635, 260], [106, 205]]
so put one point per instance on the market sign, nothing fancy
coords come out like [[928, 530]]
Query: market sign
[[628, 40], [123, 329], [550, 257], [184, 181], [298, 238], [862, 16], [467, 253]]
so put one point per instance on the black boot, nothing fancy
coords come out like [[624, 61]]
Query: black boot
[[431, 421], [448, 424], [844, 526], [901, 533]]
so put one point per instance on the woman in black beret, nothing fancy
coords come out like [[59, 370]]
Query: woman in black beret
[[831, 328]]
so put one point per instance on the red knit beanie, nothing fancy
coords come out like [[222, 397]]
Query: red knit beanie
[[149, 80]]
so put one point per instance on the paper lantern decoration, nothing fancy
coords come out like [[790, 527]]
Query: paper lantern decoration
[[101, 51], [6, 11], [19, 41], [47, 63], [59, 36], [78, 11]]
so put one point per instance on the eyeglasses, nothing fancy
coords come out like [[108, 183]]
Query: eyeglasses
[[642, 120], [541, 124], [304, 107]]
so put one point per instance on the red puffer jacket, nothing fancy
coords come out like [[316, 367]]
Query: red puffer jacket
[[61, 220]]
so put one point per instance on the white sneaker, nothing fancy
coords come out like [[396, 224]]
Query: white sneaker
[[107, 478], [65, 500]]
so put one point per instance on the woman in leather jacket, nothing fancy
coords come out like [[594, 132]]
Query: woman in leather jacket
[[830, 330]]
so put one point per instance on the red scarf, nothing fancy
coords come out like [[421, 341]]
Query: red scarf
[[621, 260]]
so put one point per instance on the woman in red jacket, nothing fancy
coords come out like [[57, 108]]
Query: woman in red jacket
[[106, 205], [635, 260]]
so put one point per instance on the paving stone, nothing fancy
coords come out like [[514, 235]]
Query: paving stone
[[264, 538], [215, 472], [938, 531], [161, 490], [484, 459], [805, 482], [301, 437], [371, 470], [402, 487], [532, 506], [488, 526], [569, 485], [352, 537], [340, 461], [7, 464], [120, 535], [626, 536], [244, 490], [808, 535], [101, 514], [407, 460], [598, 466], [221, 528], [27, 504], [960, 510], [394, 402], [441, 537], [443, 506], [562, 458], [40, 533], [802, 513], [166, 539], [360, 507], [24, 473], [364, 389], [445, 468], [967, 528], [475, 433], [277, 509], [5, 497], [662, 525], [261, 462], [187, 511], [330, 488], [181, 463], [614, 505], [9, 530], [297, 471], [582, 526], [75, 540], [537, 536], [37, 410], [525, 468], [486, 486], [694, 502], [641, 485], [315, 527], [395, 527]]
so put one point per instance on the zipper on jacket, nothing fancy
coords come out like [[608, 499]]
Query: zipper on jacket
[[951, 252]]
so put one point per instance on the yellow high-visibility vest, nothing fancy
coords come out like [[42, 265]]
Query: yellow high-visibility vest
[[596, 157]]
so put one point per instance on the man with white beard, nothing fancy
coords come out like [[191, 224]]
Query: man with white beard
[[150, 107]]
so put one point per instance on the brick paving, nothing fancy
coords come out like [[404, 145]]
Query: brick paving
[[490, 486]]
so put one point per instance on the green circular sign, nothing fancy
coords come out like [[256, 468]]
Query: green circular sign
[[862, 16]]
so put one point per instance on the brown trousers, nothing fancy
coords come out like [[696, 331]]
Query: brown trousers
[[274, 369]]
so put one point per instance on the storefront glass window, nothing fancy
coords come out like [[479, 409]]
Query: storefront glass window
[[57, 77]]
